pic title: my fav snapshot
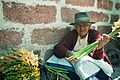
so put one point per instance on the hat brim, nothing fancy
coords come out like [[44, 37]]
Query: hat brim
[[81, 23]]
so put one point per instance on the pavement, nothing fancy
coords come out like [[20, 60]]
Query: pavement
[[116, 74]]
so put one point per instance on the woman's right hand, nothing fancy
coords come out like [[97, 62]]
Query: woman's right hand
[[73, 60], [70, 54]]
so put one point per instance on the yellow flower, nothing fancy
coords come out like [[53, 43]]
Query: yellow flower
[[117, 23], [28, 57], [18, 61], [118, 34]]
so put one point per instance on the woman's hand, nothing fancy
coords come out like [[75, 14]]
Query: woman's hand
[[70, 54], [104, 40], [73, 60]]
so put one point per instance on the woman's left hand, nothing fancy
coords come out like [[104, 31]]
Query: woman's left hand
[[104, 40]]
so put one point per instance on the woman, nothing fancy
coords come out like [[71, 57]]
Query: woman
[[92, 64]]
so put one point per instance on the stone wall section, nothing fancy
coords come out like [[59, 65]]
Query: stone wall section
[[39, 25]]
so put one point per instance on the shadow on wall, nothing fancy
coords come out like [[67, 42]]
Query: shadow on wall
[[113, 51], [48, 54]]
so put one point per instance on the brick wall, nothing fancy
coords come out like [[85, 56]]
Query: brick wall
[[39, 25]]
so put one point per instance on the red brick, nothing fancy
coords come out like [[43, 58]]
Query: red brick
[[81, 2], [117, 6], [104, 29], [29, 14], [9, 39], [114, 18], [52, 0], [105, 4], [68, 14], [95, 16], [47, 36]]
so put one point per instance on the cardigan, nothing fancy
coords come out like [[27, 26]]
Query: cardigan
[[65, 46]]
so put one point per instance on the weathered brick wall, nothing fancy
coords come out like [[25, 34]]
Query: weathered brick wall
[[39, 25]]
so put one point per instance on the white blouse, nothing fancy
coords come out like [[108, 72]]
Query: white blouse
[[81, 42]]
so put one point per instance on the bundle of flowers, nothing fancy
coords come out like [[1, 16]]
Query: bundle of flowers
[[24, 65], [86, 50], [20, 65]]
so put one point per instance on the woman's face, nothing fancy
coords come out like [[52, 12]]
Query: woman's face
[[82, 29]]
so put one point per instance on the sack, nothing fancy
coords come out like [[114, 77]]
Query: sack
[[44, 75], [61, 61]]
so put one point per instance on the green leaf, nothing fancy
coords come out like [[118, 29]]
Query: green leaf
[[86, 50]]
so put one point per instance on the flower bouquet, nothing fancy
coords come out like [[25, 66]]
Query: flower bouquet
[[24, 65], [86, 50]]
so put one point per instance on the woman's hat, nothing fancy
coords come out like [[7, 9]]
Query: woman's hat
[[81, 17]]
